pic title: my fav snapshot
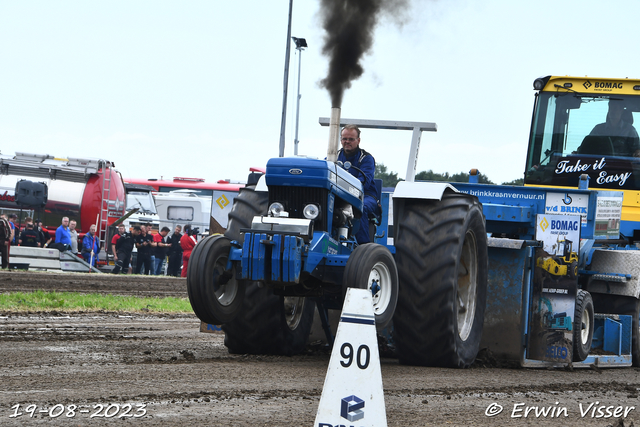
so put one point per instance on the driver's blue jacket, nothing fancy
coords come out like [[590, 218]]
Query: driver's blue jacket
[[367, 164]]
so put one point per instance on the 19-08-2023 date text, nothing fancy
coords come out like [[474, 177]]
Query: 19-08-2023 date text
[[99, 410]]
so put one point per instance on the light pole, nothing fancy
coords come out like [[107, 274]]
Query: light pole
[[283, 122], [300, 45]]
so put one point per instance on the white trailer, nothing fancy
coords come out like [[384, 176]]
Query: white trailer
[[183, 207]]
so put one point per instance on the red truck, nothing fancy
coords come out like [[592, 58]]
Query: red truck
[[90, 191]]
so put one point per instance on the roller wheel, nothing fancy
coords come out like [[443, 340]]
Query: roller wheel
[[267, 323], [214, 293], [441, 253], [582, 326], [371, 266], [573, 270]]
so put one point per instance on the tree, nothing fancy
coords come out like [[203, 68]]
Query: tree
[[519, 181], [457, 177], [389, 179], [432, 176]]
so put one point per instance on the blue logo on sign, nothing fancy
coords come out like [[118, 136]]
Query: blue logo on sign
[[352, 408], [564, 225]]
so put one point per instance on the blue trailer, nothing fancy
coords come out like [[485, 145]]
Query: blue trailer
[[527, 308]]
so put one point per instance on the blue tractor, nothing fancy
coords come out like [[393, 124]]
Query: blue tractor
[[290, 248], [453, 267]]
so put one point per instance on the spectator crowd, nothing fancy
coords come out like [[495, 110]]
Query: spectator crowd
[[152, 250]]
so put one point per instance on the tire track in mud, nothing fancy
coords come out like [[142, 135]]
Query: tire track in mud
[[120, 284], [188, 378]]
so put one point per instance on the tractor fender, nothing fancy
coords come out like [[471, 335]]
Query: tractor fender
[[406, 191], [422, 190], [262, 184]]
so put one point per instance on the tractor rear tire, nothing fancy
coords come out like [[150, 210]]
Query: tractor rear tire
[[582, 326], [441, 253], [267, 323], [215, 294], [372, 262], [246, 205]]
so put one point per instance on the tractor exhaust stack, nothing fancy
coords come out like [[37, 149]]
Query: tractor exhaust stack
[[334, 134]]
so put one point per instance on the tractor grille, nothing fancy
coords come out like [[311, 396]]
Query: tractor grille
[[294, 199]]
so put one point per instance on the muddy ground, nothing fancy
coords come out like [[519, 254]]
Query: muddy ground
[[160, 370], [118, 284]]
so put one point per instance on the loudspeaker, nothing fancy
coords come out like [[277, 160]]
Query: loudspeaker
[[31, 194]]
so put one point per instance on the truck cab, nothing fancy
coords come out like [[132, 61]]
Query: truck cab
[[584, 125]]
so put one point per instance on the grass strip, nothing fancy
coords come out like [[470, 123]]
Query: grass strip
[[74, 301]]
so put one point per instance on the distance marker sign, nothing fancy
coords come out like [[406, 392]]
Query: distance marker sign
[[353, 394]]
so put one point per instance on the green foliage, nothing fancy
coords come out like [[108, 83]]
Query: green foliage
[[73, 301], [457, 177], [519, 181], [389, 179]]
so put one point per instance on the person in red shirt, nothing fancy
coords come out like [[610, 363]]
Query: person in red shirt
[[187, 242], [160, 251], [114, 240]]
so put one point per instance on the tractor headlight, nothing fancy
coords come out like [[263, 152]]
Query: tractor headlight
[[277, 210], [311, 211]]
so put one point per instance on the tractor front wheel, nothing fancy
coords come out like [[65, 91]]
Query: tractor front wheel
[[214, 293], [371, 266]]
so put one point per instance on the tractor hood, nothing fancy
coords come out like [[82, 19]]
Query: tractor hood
[[303, 172]]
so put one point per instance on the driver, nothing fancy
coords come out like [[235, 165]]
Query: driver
[[622, 133], [351, 152]]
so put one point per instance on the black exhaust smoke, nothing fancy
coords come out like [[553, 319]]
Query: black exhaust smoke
[[349, 26]]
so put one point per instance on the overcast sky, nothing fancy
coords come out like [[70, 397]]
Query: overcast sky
[[175, 88]]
